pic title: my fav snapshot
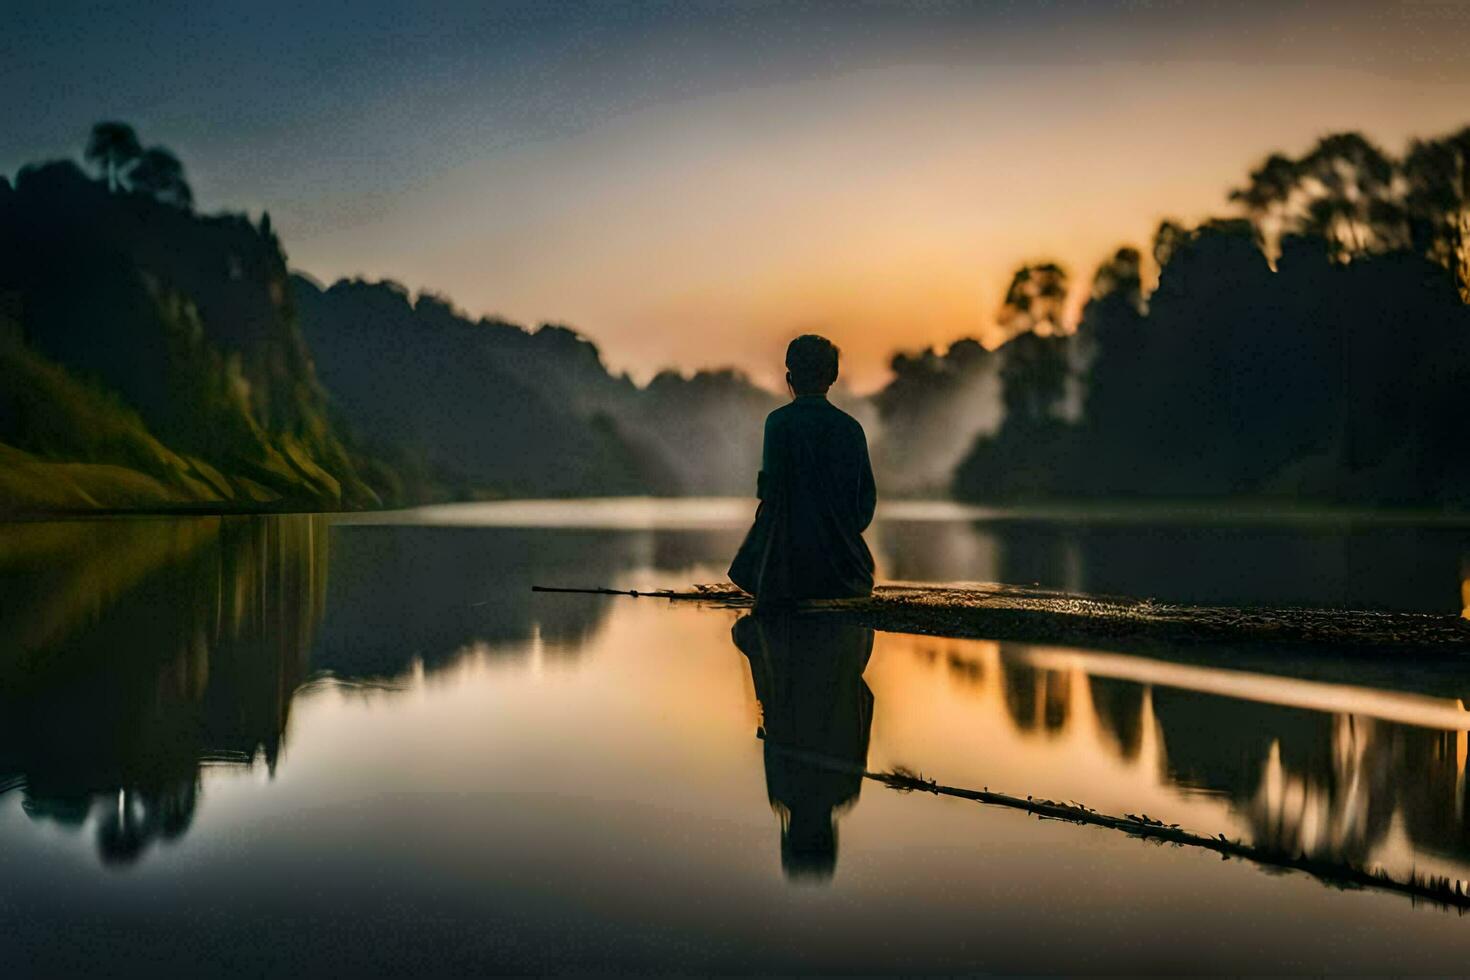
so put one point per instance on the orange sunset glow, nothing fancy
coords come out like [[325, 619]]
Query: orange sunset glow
[[884, 207]]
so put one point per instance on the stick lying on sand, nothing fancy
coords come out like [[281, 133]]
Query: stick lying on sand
[[1006, 612]]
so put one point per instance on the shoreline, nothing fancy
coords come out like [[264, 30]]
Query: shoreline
[[1305, 641], [1224, 512]]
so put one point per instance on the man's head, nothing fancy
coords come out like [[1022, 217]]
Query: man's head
[[811, 364]]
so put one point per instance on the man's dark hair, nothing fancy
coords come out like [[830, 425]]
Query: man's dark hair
[[812, 362]]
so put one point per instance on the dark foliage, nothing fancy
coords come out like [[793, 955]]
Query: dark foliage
[[1317, 350], [187, 319], [1321, 380]]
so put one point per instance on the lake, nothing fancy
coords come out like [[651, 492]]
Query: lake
[[361, 744]]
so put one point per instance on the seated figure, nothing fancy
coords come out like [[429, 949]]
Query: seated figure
[[816, 492]]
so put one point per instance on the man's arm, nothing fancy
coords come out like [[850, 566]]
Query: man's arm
[[867, 487], [770, 460]]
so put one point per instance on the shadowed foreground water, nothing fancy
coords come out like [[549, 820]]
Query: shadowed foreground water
[[237, 745]]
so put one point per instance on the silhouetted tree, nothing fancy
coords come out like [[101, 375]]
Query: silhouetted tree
[[1266, 196], [1036, 300], [1034, 363], [160, 174], [1113, 335], [1030, 453], [1344, 191], [1033, 377], [1353, 204], [1437, 172], [1166, 239], [112, 148]]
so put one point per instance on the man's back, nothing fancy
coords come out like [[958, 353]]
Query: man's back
[[817, 497], [821, 454]]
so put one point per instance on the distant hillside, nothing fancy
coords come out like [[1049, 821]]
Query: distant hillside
[[466, 404], [151, 357], [709, 426], [484, 407]]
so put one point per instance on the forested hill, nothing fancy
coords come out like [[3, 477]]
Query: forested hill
[[154, 358], [150, 357]]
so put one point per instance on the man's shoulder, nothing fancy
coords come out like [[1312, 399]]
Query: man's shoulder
[[843, 419], [779, 415], [823, 410]]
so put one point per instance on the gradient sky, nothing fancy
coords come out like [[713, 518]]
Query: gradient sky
[[690, 184]]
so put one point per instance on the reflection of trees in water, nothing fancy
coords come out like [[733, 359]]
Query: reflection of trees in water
[[1465, 586], [1344, 808], [1321, 783], [148, 649], [1329, 785], [684, 550], [1376, 772], [405, 594], [1035, 699], [1042, 701], [136, 651], [1119, 709], [1405, 568], [1046, 555], [427, 594], [934, 551], [1422, 569], [1295, 780]]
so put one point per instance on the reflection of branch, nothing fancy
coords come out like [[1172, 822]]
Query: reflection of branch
[[1439, 890], [328, 680], [706, 592]]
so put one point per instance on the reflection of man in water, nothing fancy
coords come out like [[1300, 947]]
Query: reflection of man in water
[[816, 712], [816, 490]]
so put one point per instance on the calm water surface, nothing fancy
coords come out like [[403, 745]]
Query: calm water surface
[[363, 745]]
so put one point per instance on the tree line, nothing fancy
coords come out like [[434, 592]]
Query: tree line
[[1316, 346], [114, 149]]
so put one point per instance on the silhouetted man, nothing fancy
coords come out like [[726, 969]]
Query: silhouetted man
[[816, 490]]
